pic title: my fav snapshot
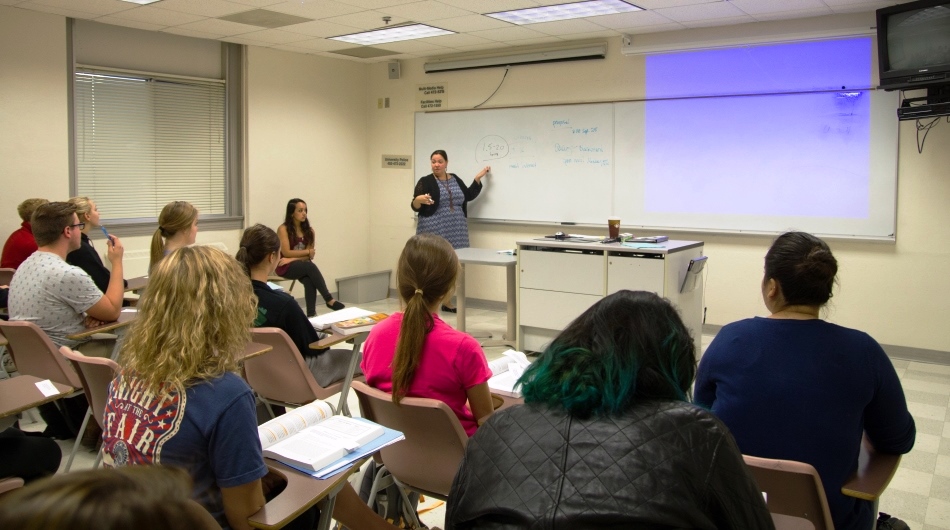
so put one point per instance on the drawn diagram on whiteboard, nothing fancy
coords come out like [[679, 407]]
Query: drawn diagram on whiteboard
[[491, 147]]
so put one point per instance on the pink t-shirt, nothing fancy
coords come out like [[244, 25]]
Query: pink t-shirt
[[451, 363]]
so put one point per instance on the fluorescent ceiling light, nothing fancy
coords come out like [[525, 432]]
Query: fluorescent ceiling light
[[393, 34], [591, 8], [141, 2]]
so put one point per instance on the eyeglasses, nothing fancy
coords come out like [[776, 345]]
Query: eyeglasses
[[78, 225]]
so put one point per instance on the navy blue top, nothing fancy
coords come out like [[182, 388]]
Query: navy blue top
[[805, 390]]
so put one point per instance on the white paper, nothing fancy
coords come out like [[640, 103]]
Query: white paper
[[47, 388], [322, 322], [285, 425]]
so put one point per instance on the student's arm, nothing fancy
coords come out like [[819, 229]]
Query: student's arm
[[479, 398], [241, 502], [887, 422], [108, 307], [286, 251]]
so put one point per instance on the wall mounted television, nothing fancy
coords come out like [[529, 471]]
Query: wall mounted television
[[913, 41]]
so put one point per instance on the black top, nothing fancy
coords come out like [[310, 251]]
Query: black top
[[429, 184], [86, 258], [277, 309]]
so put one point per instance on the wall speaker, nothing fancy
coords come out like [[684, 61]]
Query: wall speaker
[[394, 69]]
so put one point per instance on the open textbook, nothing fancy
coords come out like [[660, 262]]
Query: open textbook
[[310, 438], [323, 322], [506, 371]]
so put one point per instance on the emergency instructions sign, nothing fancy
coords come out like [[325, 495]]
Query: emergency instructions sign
[[433, 96]]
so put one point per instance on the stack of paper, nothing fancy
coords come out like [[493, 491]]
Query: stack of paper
[[322, 322], [506, 371]]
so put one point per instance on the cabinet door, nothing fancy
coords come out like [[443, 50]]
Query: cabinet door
[[552, 309], [566, 272], [636, 273]]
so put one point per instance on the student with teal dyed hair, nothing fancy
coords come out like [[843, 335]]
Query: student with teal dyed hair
[[607, 437]]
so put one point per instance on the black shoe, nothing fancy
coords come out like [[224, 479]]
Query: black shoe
[[336, 305], [886, 522], [448, 309]]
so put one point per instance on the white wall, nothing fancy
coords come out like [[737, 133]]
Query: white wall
[[34, 153], [896, 292]]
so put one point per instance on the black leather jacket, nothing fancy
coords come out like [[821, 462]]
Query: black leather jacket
[[662, 465]]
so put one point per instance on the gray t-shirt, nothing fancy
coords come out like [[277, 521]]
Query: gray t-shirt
[[53, 295]]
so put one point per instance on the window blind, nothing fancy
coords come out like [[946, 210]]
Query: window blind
[[142, 142]]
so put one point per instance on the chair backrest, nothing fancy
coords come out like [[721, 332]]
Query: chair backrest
[[281, 374], [35, 354], [429, 457], [6, 274], [792, 488], [95, 373]]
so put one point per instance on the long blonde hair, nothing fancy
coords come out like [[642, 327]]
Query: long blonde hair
[[193, 319], [83, 207], [175, 217], [425, 273]]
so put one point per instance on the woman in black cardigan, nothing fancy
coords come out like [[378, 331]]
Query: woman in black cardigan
[[441, 200], [86, 257]]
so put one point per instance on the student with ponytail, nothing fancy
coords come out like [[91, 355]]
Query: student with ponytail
[[177, 227], [414, 353], [260, 253]]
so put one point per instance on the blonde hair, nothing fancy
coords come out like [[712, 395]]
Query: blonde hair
[[83, 206], [193, 319], [175, 217], [27, 207]]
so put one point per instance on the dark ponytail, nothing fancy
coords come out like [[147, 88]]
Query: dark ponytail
[[257, 243], [804, 267]]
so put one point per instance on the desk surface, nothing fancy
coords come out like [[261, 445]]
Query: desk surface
[[126, 317], [485, 256], [20, 393], [302, 492], [253, 349], [335, 338], [670, 246], [136, 284]]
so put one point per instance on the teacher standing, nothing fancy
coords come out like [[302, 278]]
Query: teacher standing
[[441, 200]]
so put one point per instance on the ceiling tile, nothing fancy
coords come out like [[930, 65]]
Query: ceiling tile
[[319, 28], [257, 3], [757, 7], [460, 39], [365, 20], [74, 13], [859, 7], [376, 4], [218, 27], [494, 6], [207, 8], [602, 34], [315, 9], [660, 4], [10, 2], [99, 7], [567, 27], [417, 46], [157, 15], [478, 47], [700, 12], [656, 28], [725, 21], [130, 23], [535, 42], [786, 15], [869, 5], [276, 36], [316, 45], [177, 30], [508, 34], [424, 11], [240, 39], [632, 20], [470, 23]]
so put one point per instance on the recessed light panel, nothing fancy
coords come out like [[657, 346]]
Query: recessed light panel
[[591, 8], [393, 34], [142, 2]]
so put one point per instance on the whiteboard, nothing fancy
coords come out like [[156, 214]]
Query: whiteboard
[[550, 164], [583, 163]]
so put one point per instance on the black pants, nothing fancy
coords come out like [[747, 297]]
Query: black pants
[[309, 275], [27, 457]]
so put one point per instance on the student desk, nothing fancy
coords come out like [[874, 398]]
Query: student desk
[[136, 284], [126, 317], [20, 393], [302, 492], [335, 338], [484, 256], [253, 349]]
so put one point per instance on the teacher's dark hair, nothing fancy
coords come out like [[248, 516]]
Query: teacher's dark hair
[[629, 347], [425, 273], [257, 243], [308, 235], [441, 153], [804, 268]]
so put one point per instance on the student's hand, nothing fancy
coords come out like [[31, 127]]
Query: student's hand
[[313, 252], [90, 322], [284, 261], [115, 250]]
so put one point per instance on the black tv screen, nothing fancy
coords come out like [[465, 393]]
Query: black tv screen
[[914, 44]]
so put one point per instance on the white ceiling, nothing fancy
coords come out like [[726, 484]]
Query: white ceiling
[[199, 18]]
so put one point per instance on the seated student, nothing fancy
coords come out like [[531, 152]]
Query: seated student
[[85, 257], [178, 400], [177, 227], [260, 253], [27, 455], [21, 243], [607, 438], [414, 353], [297, 252], [144, 498], [63, 300], [792, 386]]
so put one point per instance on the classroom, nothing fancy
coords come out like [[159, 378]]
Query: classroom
[[314, 130]]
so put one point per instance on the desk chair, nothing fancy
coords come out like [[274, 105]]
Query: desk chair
[[95, 373], [793, 489], [9, 484], [280, 377], [6, 274], [427, 460], [35, 354]]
